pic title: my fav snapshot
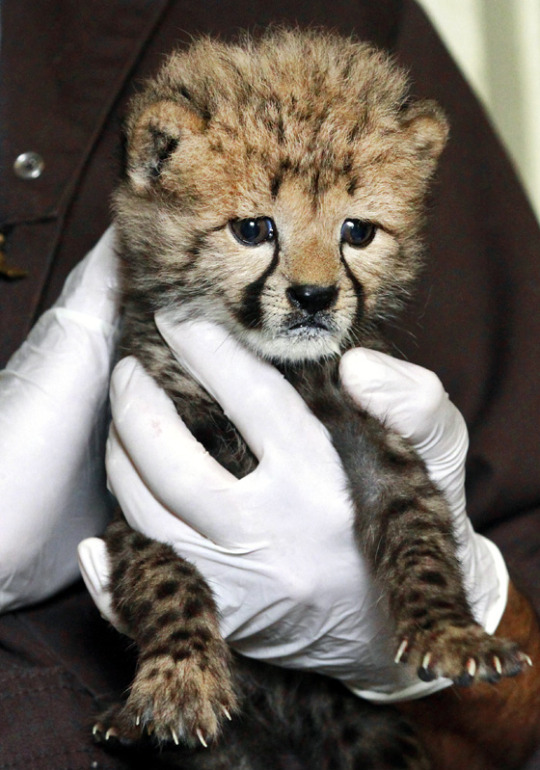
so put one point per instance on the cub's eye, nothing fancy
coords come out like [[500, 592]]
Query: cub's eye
[[251, 232], [358, 233]]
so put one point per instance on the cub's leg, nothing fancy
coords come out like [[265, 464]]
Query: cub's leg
[[182, 689], [409, 538], [404, 528]]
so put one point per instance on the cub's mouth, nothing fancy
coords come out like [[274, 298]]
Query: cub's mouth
[[298, 339], [311, 324]]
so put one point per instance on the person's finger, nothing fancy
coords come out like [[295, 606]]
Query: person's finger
[[403, 395], [147, 510], [265, 408], [172, 465]]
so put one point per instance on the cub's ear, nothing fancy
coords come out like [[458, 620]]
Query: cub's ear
[[153, 137], [427, 128]]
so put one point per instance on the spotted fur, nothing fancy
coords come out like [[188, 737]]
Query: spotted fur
[[307, 131]]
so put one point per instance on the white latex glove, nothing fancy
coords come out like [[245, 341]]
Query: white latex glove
[[53, 395], [276, 547]]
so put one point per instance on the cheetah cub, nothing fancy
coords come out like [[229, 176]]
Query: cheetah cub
[[275, 186]]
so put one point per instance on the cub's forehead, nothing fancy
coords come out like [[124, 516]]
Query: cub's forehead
[[311, 106], [289, 88], [235, 122]]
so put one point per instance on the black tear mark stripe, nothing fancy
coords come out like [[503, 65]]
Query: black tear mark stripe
[[250, 311], [358, 289]]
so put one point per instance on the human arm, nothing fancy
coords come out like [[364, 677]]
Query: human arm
[[53, 396]]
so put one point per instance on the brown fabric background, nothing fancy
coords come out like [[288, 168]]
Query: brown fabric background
[[67, 71]]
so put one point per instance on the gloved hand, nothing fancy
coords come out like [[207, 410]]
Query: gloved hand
[[276, 547], [53, 395]]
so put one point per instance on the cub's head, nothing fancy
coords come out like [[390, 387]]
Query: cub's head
[[276, 187]]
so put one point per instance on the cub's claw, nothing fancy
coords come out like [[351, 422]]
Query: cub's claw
[[402, 649], [200, 736], [425, 672]]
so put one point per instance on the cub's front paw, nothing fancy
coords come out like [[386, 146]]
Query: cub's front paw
[[465, 655], [183, 701]]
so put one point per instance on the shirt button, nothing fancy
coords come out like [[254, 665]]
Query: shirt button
[[29, 165]]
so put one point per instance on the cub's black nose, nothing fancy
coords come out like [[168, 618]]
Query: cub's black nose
[[312, 298]]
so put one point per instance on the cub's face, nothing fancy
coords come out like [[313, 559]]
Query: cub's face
[[277, 188]]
